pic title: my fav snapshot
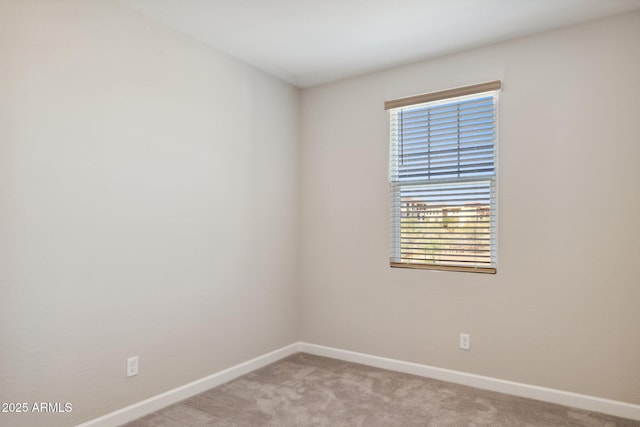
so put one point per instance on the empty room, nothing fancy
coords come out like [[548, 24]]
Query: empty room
[[319, 213]]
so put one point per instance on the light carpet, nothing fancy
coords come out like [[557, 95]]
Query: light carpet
[[307, 390]]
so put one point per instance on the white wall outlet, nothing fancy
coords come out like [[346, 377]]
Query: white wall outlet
[[132, 366], [465, 341]]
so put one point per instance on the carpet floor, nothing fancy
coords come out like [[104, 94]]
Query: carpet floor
[[305, 390]]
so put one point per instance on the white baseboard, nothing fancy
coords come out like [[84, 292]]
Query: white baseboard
[[582, 401], [170, 397], [155, 403]]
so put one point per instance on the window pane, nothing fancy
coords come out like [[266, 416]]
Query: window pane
[[450, 224]]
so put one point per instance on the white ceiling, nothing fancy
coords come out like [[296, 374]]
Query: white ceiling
[[309, 42]]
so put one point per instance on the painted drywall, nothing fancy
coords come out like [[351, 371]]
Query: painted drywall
[[148, 206], [562, 311]]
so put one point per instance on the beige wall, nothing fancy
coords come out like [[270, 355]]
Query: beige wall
[[562, 311], [147, 207]]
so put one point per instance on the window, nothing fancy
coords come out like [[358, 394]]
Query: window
[[442, 175]]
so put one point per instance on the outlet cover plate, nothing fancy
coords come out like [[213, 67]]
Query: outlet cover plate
[[132, 366], [465, 341]]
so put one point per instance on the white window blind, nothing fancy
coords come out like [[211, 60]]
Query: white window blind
[[443, 180]]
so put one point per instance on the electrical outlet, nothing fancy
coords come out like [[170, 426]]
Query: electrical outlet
[[132, 366], [465, 341]]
